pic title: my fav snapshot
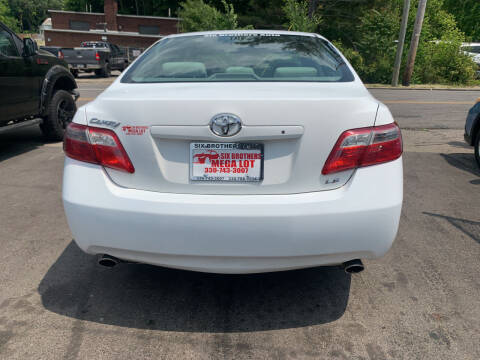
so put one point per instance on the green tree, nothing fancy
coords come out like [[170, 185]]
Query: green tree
[[298, 17], [262, 14], [199, 16], [6, 16], [30, 14], [82, 5], [371, 29], [467, 16], [439, 58]]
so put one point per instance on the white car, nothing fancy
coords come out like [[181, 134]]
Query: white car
[[235, 152], [472, 50]]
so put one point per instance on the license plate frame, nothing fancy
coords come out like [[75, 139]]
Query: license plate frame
[[230, 177]]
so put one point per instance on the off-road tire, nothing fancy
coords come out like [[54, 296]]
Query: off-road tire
[[60, 113], [477, 148]]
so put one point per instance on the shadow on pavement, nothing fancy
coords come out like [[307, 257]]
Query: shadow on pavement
[[17, 142], [468, 227], [460, 144], [88, 76], [148, 297], [462, 161]]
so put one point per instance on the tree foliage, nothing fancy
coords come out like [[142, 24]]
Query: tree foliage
[[299, 19], [199, 16], [369, 35], [84, 5], [7, 17], [467, 16], [365, 30], [28, 14]]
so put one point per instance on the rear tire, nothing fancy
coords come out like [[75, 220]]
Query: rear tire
[[106, 71], [60, 113], [477, 148]]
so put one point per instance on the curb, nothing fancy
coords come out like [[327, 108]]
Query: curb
[[426, 88]]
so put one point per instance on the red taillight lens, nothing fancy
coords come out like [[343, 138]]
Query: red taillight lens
[[97, 56], [364, 147], [96, 145], [60, 54]]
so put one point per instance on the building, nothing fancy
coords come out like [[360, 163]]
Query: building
[[70, 28], [46, 25]]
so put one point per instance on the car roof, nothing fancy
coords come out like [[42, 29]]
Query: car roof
[[242, 32]]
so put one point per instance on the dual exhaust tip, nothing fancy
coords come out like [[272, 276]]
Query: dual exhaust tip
[[350, 267]]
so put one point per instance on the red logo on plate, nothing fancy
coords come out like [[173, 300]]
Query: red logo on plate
[[134, 130], [200, 158]]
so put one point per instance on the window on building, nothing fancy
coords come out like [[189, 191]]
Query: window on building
[[148, 29], [79, 25]]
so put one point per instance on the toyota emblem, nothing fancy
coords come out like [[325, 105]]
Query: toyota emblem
[[225, 124]]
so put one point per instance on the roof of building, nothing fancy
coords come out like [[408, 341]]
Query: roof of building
[[47, 22], [106, 33], [122, 15]]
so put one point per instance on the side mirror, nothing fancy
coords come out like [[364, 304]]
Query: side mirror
[[29, 47]]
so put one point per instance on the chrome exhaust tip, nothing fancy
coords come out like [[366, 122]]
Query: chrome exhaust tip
[[108, 261], [353, 266]]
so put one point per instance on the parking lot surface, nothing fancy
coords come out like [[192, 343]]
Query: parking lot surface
[[421, 301]]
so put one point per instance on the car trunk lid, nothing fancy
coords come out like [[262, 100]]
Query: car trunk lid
[[297, 125]]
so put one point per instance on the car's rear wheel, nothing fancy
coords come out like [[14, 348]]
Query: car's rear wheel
[[477, 148], [60, 113]]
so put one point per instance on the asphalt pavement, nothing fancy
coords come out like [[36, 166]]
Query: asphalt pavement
[[421, 301]]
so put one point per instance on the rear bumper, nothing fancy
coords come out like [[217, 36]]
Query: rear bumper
[[84, 66], [235, 233]]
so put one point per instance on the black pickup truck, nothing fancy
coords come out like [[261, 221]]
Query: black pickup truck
[[35, 87], [99, 56]]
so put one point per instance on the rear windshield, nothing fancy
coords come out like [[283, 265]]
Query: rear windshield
[[240, 57]]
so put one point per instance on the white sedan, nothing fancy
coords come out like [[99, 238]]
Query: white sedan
[[235, 152]]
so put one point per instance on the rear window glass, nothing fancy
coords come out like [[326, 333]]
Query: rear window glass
[[94, 45], [240, 57]]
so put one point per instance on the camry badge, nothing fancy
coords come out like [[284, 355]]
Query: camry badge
[[225, 124], [108, 123]]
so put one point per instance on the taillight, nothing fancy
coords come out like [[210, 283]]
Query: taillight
[[364, 147], [97, 146], [60, 54], [97, 56]]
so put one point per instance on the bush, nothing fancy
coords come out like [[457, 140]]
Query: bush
[[198, 16], [353, 57], [297, 15], [439, 57]]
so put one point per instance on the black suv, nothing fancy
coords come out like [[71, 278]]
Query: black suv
[[35, 87], [472, 129]]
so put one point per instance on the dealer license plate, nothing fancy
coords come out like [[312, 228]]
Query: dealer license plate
[[226, 162]]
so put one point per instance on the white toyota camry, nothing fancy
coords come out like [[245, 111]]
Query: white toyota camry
[[235, 152]]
